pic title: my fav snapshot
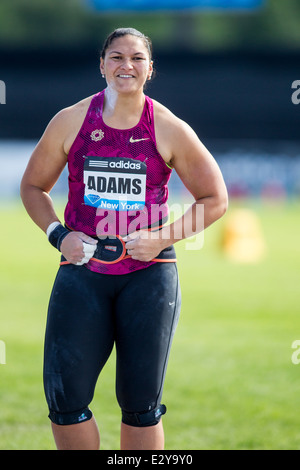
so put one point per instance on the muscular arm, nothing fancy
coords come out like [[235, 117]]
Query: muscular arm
[[180, 147], [202, 177], [44, 168]]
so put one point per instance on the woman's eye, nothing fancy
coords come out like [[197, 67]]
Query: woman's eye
[[117, 57]]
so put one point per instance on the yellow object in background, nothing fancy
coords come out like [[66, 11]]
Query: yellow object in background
[[243, 239]]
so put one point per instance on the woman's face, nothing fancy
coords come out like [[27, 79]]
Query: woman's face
[[126, 64]]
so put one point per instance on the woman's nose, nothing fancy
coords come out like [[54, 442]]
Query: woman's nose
[[127, 64]]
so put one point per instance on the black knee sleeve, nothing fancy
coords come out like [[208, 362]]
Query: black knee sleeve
[[143, 419], [70, 418]]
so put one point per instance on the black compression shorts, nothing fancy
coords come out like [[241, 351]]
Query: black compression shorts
[[89, 313]]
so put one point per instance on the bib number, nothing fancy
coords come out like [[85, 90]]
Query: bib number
[[114, 183]]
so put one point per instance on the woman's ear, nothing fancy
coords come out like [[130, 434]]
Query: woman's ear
[[150, 70], [102, 67]]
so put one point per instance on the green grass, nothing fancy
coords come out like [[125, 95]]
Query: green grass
[[230, 384]]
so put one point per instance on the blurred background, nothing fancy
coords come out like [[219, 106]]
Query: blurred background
[[226, 67], [231, 69]]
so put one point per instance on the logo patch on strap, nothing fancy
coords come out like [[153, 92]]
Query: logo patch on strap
[[97, 135]]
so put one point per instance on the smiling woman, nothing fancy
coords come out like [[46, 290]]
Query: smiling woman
[[118, 281], [126, 64]]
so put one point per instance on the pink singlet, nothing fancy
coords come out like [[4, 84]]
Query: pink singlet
[[117, 181]]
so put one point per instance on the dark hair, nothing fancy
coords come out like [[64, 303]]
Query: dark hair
[[120, 32]]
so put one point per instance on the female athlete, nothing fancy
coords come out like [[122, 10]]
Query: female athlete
[[117, 283]]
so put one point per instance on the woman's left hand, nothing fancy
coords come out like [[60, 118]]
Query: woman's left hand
[[143, 245]]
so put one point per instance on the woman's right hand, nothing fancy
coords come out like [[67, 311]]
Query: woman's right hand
[[78, 248]]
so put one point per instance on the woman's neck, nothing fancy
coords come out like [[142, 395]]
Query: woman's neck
[[122, 111]]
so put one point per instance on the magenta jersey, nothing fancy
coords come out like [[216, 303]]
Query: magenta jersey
[[117, 181]]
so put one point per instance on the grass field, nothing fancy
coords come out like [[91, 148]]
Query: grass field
[[231, 383]]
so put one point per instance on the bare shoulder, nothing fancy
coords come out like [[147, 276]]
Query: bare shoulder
[[191, 160], [65, 125], [164, 117], [172, 133]]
